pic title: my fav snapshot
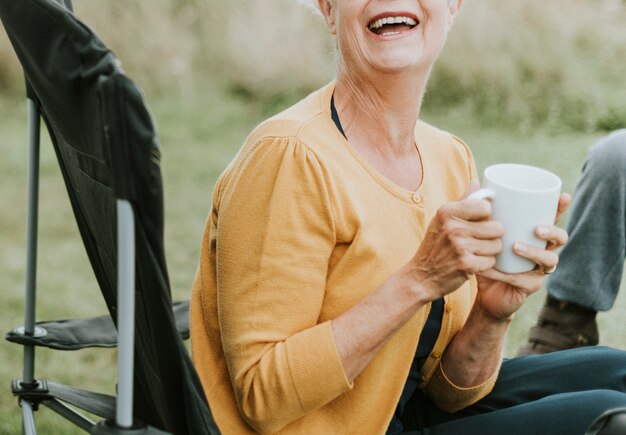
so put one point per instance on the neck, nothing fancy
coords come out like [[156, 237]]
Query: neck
[[379, 112]]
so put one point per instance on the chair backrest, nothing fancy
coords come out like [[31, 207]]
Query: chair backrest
[[107, 150]]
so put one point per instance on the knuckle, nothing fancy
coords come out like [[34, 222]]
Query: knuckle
[[466, 263], [449, 226], [459, 246], [456, 233], [444, 213]]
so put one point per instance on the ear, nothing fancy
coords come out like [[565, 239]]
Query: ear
[[327, 8], [455, 5]]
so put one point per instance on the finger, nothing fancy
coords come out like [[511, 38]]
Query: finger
[[486, 247], [555, 236], [479, 247], [485, 263], [478, 263], [481, 230], [544, 258], [564, 202], [471, 188], [528, 282], [486, 230], [472, 210]]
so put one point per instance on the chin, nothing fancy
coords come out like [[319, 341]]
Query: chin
[[394, 63]]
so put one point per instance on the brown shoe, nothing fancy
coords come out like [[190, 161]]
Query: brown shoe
[[561, 325]]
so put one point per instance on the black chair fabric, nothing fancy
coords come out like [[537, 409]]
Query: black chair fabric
[[76, 334], [107, 149]]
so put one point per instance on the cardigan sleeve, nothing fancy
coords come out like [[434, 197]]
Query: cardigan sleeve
[[275, 235], [452, 398]]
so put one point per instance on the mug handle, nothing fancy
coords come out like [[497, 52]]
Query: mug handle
[[482, 194]]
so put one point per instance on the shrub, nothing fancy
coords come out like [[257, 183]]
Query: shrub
[[557, 65]]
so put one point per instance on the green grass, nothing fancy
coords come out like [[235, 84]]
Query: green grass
[[199, 133]]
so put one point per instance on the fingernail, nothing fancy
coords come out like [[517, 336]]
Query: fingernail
[[520, 248], [542, 231]]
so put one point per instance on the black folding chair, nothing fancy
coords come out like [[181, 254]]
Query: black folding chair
[[612, 422], [107, 149]]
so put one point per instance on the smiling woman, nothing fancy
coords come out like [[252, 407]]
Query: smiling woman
[[346, 282]]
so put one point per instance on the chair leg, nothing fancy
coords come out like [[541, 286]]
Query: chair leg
[[69, 414], [34, 122], [28, 419]]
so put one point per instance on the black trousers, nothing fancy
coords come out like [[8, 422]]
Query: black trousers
[[555, 393]]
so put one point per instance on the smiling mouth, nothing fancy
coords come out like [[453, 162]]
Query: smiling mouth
[[388, 26]]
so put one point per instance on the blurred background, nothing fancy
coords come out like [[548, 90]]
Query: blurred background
[[520, 81]]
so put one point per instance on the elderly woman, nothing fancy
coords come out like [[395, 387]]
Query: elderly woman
[[346, 283]]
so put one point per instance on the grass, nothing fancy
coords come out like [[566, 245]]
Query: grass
[[199, 135]]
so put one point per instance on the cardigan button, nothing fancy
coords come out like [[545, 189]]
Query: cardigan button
[[448, 308], [435, 355]]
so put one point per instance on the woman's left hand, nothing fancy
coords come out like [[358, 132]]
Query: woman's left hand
[[500, 295]]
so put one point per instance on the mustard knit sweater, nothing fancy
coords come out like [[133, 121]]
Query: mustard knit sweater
[[301, 229]]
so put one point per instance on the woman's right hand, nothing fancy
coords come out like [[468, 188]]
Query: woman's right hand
[[459, 241]]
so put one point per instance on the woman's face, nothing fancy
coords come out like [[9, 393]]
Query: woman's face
[[389, 35]]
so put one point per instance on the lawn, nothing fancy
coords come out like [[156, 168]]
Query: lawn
[[199, 131]]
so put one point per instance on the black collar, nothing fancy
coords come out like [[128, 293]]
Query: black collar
[[335, 116]]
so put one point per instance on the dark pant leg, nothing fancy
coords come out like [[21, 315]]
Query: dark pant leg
[[534, 377], [560, 414], [555, 393]]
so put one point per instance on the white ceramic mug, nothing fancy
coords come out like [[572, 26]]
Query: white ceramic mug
[[523, 197]]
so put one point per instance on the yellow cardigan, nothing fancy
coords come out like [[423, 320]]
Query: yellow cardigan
[[301, 229]]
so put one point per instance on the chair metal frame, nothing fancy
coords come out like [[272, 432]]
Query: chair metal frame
[[29, 385]]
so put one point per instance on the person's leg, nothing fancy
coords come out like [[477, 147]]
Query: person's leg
[[534, 377], [568, 413], [591, 263], [561, 392]]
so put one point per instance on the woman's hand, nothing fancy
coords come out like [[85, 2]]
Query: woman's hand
[[500, 295], [460, 241]]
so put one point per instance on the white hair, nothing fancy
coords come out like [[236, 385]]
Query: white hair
[[312, 4]]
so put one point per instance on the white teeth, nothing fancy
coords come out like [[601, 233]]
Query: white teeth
[[392, 20]]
